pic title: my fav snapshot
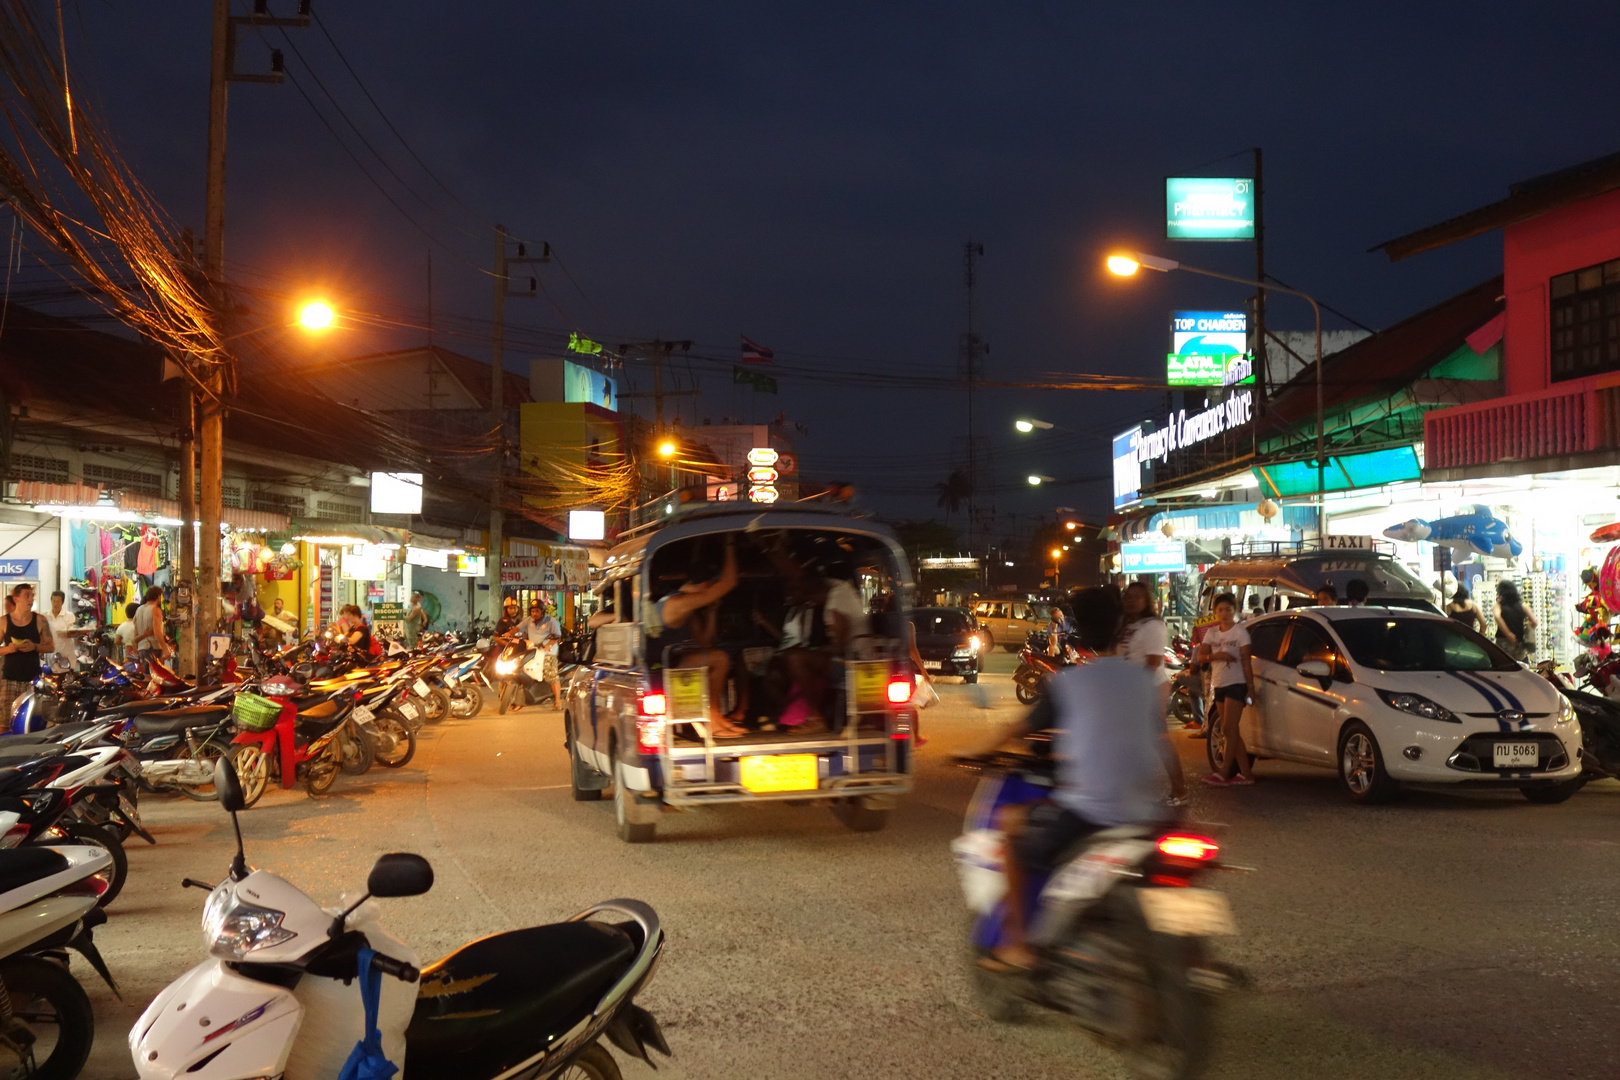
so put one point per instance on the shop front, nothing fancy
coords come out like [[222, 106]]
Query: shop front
[[447, 575], [559, 574]]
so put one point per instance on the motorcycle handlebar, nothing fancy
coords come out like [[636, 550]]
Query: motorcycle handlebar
[[399, 969]]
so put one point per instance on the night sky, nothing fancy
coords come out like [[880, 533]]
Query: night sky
[[807, 174]]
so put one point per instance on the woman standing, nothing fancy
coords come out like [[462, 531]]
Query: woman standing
[[1513, 621], [1463, 609], [1143, 640], [1225, 649], [27, 635]]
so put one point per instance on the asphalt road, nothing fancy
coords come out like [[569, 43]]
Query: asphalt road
[[1443, 936]]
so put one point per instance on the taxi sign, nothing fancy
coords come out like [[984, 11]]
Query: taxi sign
[[762, 457]]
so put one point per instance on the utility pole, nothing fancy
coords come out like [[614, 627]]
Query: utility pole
[[218, 379], [1262, 376], [972, 350], [497, 404]]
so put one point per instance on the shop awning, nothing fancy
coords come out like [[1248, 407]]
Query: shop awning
[[234, 517], [336, 532], [1343, 473], [1219, 516]]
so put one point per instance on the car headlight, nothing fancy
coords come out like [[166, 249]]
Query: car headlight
[[504, 666], [974, 645], [1566, 710], [233, 928], [963, 652], [1417, 705]]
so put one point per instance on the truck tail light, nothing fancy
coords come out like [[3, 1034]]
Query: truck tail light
[[650, 722], [900, 687]]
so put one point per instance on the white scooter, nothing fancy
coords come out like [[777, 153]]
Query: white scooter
[[47, 907], [280, 997]]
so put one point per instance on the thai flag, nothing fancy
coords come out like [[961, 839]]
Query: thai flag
[[755, 353]]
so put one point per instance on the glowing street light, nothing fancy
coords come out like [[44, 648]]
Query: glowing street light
[[1057, 553], [1126, 265], [317, 315], [1036, 479], [666, 449], [1027, 426]]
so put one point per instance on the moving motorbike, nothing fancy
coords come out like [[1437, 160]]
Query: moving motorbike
[[282, 992], [1122, 929], [1036, 664]]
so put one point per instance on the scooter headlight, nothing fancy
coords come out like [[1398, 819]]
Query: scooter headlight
[[505, 666], [233, 928]]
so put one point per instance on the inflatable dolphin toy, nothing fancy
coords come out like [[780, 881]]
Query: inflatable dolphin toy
[[1475, 529]]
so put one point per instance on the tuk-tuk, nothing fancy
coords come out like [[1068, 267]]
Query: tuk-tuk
[[640, 712], [1278, 581]]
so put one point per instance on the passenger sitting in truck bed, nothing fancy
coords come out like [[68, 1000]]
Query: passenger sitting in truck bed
[[685, 620], [825, 615]]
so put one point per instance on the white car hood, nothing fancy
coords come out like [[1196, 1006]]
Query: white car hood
[[1516, 700]]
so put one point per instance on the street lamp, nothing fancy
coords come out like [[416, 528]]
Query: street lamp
[[1057, 568], [1127, 264], [1027, 426], [317, 315], [1036, 479], [666, 449]]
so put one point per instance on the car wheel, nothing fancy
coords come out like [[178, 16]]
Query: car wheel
[[989, 638], [634, 822], [1556, 792], [1215, 745], [1361, 766]]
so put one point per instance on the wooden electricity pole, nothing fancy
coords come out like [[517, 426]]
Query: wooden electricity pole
[[497, 404]]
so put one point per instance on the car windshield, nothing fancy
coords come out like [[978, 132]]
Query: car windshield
[[936, 621], [1406, 644]]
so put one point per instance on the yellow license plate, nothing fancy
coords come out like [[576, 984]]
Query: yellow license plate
[[780, 772]]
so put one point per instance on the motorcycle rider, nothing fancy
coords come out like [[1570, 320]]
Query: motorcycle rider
[[544, 634], [1108, 766]]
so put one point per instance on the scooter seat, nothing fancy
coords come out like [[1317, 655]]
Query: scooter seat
[[174, 721], [142, 705], [500, 1000], [21, 866], [319, 707], [14, 755]]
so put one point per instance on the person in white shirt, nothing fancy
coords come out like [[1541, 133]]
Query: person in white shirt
[[61, 623], [1225, 649], [124, 636], [1143, 640]]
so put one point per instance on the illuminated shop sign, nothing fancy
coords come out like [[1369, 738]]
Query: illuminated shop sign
[[1209, 208], [1209, 348]]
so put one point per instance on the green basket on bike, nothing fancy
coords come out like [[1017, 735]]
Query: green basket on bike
[[254, 713]]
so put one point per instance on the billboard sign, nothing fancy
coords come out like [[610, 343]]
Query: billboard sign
[[1127, 468], [581, 384], [1209, 208], [1209, 348], [1153, 557], [396, 493]]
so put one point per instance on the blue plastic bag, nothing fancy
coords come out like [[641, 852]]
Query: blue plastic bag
[[367, 1060]]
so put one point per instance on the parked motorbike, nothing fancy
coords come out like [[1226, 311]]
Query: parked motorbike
[[1036, 664], [530, 1003], [464, 679], [1186, 683], [48, 906], [297, 743], [1122, 928]]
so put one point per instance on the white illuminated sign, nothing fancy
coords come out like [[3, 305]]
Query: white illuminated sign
[[429, 557], [1181, 431], [587, 525], [762, 494], [762, 457], [396, 493]]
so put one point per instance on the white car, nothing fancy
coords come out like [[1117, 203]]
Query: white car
[[1392, 695]]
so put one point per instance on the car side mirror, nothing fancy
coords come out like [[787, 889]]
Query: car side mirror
[[400, 873], [1317, 669]]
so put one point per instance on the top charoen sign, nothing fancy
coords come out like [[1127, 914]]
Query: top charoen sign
[[1209, 208]]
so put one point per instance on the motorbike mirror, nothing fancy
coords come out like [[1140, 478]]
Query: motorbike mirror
[[228, 785], [400, 873]]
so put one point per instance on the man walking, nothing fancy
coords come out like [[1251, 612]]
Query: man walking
[[416, 620]]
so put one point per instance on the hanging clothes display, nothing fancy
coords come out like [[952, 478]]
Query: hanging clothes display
[[146, 560]]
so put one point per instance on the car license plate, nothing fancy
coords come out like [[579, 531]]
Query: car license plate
[[1516, 755], [780, 772], [363, 715], [421, 688], [407, 710], [933, 665], [1187, 912]]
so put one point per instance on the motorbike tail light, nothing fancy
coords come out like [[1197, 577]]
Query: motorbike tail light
[[1188, 846], [900, 688]]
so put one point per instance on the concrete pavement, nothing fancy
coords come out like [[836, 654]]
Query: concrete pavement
[[1443, 936]]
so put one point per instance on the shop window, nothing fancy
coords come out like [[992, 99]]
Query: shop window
[[1584, 313], [44, 469], [338, 511], [126, 479], [276, 502]]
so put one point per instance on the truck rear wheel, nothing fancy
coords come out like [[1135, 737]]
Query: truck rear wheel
[[861, 813], [636, 823], [577, 769]]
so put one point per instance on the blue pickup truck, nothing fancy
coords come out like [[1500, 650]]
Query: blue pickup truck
[[793, 683]]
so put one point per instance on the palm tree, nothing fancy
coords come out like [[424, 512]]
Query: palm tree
[[953, 491]]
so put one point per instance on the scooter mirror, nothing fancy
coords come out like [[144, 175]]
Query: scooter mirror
[[400, 873], [228, 786]]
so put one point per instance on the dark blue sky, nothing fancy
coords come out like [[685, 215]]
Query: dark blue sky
[[806, 175]]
